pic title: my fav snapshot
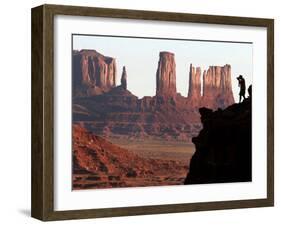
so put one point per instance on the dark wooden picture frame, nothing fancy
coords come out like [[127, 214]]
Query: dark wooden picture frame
[[43, 110]]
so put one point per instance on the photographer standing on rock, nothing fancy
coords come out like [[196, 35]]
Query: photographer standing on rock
[[242, 85]]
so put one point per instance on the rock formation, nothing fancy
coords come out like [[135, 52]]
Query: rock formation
[[124, 78], [223, 147], [194, 91], [110, 110], [93, 73], [120, 114], [102, 111], [217, 89], [166, 75]]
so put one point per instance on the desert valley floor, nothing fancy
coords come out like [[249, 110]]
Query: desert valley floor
[[158, 149], [102, 163]]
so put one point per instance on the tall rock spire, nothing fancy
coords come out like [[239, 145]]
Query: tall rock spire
[[166, 75], [124, 78], [194, 90]]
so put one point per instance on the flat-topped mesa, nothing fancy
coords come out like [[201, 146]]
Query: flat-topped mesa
[[93, 73], [124, 78], [194, 90], [166, 75], [217, 89]]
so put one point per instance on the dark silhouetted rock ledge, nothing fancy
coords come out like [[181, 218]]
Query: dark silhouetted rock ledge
[[223, 147]]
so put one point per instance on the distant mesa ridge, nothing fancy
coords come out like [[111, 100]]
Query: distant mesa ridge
[[95, 74], [111, 110]]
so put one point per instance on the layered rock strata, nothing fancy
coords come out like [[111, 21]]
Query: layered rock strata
[[110, 110]]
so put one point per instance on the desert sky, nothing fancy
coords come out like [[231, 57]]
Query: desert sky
[[140, 56]]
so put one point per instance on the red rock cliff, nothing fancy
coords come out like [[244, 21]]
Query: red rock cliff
[[217, 90], [93, 73], [166, 75], [194, 91]]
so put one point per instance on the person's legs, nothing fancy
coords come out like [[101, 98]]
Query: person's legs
[[240, 98]]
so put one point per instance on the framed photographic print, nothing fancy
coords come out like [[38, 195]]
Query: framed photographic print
[[141, 112]]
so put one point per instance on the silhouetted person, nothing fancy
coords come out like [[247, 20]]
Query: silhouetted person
[[242, 85]]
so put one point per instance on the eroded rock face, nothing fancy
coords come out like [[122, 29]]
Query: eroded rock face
[[120, 114], [217, 89], [194, 91], [223, 147], [110, 110], [166, 75], [194, 82], [124, 78], [93, 73]]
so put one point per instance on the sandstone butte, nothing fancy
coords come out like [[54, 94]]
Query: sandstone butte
[[94, 73], [110, 110]]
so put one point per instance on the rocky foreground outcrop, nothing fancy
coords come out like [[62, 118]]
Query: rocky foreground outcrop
[[98, 163], [223, 147]]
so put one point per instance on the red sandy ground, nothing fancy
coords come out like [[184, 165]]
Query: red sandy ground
[[98, 163]]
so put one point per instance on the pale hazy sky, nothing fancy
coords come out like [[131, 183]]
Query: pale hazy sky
[[140, 56]]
